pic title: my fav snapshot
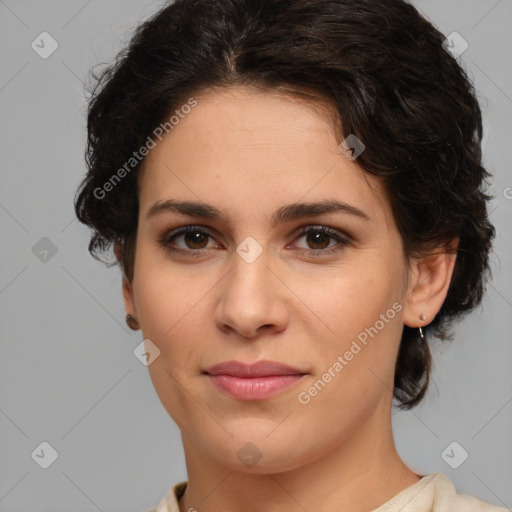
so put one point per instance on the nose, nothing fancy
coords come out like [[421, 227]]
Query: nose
[[252, 299]]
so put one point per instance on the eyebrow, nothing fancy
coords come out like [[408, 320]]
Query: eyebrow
[[285, 213]]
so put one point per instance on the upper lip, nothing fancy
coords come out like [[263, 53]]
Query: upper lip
[[258, 369]]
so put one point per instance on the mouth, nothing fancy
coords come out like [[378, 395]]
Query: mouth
[[251, 370], [256, 381]]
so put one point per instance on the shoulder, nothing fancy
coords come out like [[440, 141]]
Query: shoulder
[[447, 499], [169, 503]]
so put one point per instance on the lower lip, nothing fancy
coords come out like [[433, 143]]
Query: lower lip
[[257, 388]]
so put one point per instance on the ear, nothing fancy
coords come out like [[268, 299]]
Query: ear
[[129, 303], [429, 281]]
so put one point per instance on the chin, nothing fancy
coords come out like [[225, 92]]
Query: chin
[[259, 454]]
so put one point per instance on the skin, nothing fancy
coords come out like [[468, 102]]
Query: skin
[[248, 153]]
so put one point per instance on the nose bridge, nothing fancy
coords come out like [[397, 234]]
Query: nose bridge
[[250, 268], [249, 299], [249, 250]]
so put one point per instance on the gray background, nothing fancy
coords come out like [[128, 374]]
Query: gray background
[[67, 370]]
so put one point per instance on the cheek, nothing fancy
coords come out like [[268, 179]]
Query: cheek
[[171, 310], [172, 306], [355, 369], [361, 310], [352, 298], [161, 294]]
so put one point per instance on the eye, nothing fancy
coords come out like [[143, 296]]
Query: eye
[[194, 241], [193, 237], [319, 238]]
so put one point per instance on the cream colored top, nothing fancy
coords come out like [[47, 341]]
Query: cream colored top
[[433, 493]]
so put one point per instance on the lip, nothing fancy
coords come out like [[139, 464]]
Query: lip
[[256, 381], [248, 370]]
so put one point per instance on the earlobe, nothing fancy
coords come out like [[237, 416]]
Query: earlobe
[[429, 281], [132, 323]]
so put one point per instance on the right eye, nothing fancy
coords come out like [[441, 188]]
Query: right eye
[[194, 238]]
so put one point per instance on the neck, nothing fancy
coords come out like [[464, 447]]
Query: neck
[[359, 473]]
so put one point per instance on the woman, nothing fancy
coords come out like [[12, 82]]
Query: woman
[[295, 195]]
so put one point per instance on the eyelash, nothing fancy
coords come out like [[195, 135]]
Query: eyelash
[[165, 241]]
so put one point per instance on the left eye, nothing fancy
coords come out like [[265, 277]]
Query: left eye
[[196, 240], [193, 237], [320, 236]]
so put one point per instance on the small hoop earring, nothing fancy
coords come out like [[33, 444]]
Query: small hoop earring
[[132, 323], [422, 336]]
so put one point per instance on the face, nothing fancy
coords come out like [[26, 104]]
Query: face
[[320, 290]]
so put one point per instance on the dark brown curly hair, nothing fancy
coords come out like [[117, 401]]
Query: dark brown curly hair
[[384, 68]]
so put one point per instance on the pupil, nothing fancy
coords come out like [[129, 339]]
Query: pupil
[[317, 239], [195, 238]]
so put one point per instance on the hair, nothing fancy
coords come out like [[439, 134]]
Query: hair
[[383, 67]]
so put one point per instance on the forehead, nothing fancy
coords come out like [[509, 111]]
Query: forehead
[[241, 120], [255, 149]]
